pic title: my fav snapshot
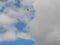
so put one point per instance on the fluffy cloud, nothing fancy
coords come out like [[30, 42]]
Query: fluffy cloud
[[10, 17]]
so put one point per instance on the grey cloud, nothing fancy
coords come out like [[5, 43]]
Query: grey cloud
[[47, 17]]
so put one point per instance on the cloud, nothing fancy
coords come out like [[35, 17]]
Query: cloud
[[6, 19], [27, 2], [12, 36], [11, 16], [24, 36], [47, 17]]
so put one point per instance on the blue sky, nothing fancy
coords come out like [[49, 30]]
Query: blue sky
[[18, 42], [20, 26]]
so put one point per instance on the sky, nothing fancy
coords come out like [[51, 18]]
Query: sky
[[18, 42], [40, 20], [14, 18]]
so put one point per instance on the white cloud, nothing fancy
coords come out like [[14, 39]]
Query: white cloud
[[24, 36], [9, 36], [12, 36], [4, 19], [11, 17], [27, 2]]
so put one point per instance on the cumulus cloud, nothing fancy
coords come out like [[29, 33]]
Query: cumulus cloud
[[10, 17]]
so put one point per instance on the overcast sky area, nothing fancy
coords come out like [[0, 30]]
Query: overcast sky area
[[45, 28]]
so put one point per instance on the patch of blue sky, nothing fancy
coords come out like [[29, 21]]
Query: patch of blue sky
[[20, 26], [17, 3], [18, 42]]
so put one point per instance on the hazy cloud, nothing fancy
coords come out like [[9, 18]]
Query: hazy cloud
[[46, 25]]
